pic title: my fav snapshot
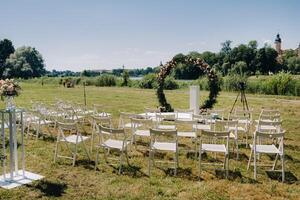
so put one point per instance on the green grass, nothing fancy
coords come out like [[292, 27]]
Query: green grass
[[83, 182]]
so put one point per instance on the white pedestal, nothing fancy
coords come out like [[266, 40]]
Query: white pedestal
[[18, 180], [15, 177], [194, 98]]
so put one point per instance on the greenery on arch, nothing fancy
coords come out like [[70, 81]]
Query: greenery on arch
[[166, 69]]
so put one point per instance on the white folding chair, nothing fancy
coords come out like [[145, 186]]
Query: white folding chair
[[165, 121], [113, 139], [140, 128], [267, 148], [211, 141], [232, 127], [99, 120], [125, 120], [186, 129], [244, 119], [163, 140], [69, 135], [204, 122]]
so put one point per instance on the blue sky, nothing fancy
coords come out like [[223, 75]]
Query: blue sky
[[98, 34]]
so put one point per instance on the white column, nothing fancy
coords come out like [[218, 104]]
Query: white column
[[194, 98]]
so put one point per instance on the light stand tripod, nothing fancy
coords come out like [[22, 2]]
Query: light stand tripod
[[243, 98]]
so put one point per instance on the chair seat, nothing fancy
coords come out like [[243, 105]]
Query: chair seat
[[127, 125], [72, 139], [214, 148], [164, 146], [169, 127], [244, 121], [142, 133], [267, 128], [115, 144], [266, 149], [186, 134], [202, 126]]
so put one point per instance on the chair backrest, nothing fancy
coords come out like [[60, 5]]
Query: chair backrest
[[268, 138], [161, 117], [103, 120], [159, 135], [214, 137], [269, 126], [98, 109], [185, 125], [67, 128], [224, 125], [217, 114], [138, 123], [240, 113], [189, 112], [125, 118], [203, 118], [112, 133], [268, 114]]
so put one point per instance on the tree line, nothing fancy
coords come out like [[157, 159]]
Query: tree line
[[27, 62], [23, 62]]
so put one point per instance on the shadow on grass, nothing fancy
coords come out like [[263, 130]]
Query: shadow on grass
[[86, 163], [50, 189], [242, 156], [184, 173], [129, 170], [234, 176], [290, 178]]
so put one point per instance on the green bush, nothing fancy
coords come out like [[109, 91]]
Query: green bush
[[170, 84], [232, 82], [149, 81], [106, 80]]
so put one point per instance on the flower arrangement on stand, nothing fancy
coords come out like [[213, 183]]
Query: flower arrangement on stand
[[9, 89]]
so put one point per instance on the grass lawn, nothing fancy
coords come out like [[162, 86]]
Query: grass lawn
[[83, 182]]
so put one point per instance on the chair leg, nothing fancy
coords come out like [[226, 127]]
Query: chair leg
[[121, 161], [249, 161], [92, 140], [37, 132], [85, 149], [254, 162], [200, 157], [56, 151], [126, 154], [275, 162], [75, 155], [282, 165], [97, 158], [227, 165], [151, 161], [237, 150], [176, 163]]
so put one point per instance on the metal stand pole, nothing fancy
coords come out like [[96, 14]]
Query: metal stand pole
[[15, 140], [23, 147], [3, 145], [11, 147]]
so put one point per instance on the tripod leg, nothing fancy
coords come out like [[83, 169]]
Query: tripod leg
[[234, 103]]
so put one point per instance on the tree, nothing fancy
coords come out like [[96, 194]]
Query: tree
[[252, 44], [266, 60], [239, 68], [293, 65], [125, 78], [6, 48], [226, 47], [25, 62]]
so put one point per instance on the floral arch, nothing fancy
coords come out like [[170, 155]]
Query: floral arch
[[166, 69]]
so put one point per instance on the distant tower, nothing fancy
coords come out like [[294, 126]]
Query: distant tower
[[278, 44]]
